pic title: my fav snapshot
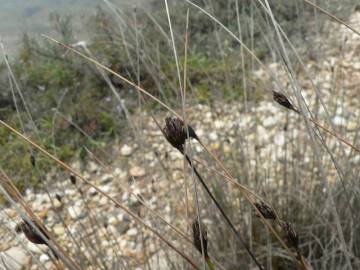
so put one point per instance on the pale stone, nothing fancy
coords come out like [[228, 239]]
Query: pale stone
[[93, 167], [57, 204], [213, 136], [14, 258], [106, 188], [356, 65], [269, 122], [34, 248], [103, 200], [132, 232], [44, 258], [75, 211], [106, 178], [59, 230], [117, 171], [352, 126], [137, 171], [113, 220], [219, 124], [339, 121], [126, 150], [279, 139]]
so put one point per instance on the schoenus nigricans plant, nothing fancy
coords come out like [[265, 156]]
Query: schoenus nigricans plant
[[200, 237], [200, 240], [292, 240], [291, 235], [58, 197], [283, 101], [227, 219], [175, 133], [32, 160], [266, 211], [32, 235], [73, 179]]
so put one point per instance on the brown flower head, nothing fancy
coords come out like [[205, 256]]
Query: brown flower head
[[266, 211], [283, 101], [32, 160], [58, 197], [176, 134], [291, 235], [32, 235], [73, 179], [198, 237]]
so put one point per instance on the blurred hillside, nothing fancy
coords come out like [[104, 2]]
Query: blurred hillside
[[32, 17]]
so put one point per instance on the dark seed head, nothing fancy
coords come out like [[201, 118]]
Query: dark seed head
[[32, 235], [291, 235], [32, 160], [58, 197], [283, 101], [192, 133], [18, 228], [200, 237], [30, 232], [73, 179], [266, 211], [176, 134]]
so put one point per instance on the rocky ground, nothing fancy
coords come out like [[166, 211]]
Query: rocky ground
[[149, 167]]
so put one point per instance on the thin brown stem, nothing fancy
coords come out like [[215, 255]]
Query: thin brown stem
[[357, 149]]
